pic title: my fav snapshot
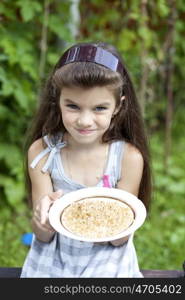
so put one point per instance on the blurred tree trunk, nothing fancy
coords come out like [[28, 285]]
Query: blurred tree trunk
[[43, 42], [144, 53], [75, 18], [169, 49]]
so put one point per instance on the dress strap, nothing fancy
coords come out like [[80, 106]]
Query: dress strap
[[52, 149], [115, 161], [119, 157], [113, 169]]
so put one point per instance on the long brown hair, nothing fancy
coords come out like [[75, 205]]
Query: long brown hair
[[127, 125]]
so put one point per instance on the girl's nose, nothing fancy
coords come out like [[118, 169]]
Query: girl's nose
[[84, 120]]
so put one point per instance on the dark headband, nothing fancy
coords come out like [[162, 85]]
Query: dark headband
[[93, 54]]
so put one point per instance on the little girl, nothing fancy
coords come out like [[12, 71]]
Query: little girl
[[88, 131]]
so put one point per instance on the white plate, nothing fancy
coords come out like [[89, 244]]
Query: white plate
[[59, 205]]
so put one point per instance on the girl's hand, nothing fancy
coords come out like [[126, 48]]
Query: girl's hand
[[119, 242], [40, 221], [101, 243]]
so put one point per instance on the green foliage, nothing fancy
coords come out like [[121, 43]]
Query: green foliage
[[29, 9], [160, 241], [20, 44], [12, 226], [19, 82]]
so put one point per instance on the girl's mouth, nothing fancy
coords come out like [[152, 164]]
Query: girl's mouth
[[85, 131]]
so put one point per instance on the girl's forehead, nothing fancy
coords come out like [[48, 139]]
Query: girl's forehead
[[95, 93]]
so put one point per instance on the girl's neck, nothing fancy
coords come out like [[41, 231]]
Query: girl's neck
[[73, 145]]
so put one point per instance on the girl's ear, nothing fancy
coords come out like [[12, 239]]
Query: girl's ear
[[119, 106]]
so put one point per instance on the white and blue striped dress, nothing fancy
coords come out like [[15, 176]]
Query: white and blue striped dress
[[64, 257]]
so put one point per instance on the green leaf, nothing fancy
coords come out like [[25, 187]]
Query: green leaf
[[9, 48], [14, 190], [4, 112], [177, 187], [29, 9], [146, 35], [10, 154], [163, 8], [127, 39], [59, 27]]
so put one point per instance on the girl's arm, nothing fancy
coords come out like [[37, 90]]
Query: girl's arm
[[131, 174], [42, 194]]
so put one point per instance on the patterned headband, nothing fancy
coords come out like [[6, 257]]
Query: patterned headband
[[93, 54]]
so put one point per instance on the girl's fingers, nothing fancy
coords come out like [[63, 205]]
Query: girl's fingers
[[43, 227], [44, 209], [55, 195], [41, 212]]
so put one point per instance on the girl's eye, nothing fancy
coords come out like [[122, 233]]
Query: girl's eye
[[72, 106], [100, 108]]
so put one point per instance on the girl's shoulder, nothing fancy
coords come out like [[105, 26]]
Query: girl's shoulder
[[35, 149], [131, 169], [132, 155]]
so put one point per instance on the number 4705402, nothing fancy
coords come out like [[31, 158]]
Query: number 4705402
[[158, 289]]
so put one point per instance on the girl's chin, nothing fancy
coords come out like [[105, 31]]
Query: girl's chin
[[85, 139]]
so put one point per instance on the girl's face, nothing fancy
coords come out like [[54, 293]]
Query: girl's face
[[87, 113]]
